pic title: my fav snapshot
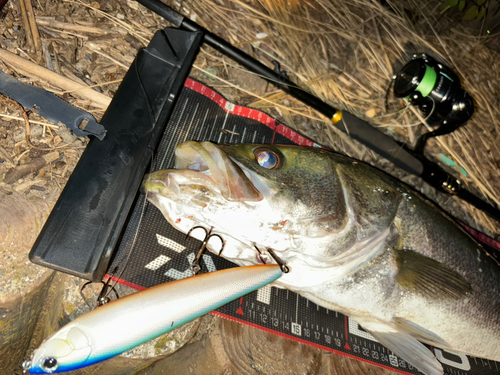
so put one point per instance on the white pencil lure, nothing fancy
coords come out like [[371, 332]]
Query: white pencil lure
[[127, 322]]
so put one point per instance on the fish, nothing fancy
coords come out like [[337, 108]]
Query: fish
[[127, 322], [356, 241]]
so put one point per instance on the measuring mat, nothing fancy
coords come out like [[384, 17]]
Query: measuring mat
[[152, 252]]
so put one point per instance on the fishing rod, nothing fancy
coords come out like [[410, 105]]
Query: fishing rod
[[396, 152]]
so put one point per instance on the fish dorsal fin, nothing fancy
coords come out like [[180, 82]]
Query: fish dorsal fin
[[410, 350], [426, 276]]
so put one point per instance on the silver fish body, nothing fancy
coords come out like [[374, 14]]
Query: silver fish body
[[127, 322], [356, 240]]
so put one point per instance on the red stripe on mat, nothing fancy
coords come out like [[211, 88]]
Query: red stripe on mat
[[124, 282], [481, 237], [230, 107]]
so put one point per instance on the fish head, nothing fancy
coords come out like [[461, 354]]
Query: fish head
[[67, 350], [253, 195]]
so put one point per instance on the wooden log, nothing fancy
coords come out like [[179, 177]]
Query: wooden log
[[336, 364], [36, 301], [23, 286], [19, 318], [15, 174], [34, 70]]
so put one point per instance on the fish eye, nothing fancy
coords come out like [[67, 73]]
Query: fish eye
[[267, 158], [49, 364]]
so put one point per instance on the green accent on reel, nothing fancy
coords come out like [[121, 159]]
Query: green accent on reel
[[428, 81]]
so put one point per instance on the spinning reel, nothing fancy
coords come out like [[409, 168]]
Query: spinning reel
[[437, 92]]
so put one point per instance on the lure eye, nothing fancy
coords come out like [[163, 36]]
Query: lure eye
[[49, 364], [267, 159]]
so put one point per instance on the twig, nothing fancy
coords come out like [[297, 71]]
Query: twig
[[19, 172], [76, 28], [34, 29], [57, 67], [34, 70], [107, 56], [46, 55], [31, 121], [97, 85], [27, 28], [5, 156], [28, 128], [26, 121], [113, 19], [69, 33], [30, 184]]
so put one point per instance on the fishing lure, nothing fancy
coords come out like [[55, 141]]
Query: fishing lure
[[143, 316]]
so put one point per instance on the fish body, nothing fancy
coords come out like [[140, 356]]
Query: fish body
[[127, 322], [356, 240]]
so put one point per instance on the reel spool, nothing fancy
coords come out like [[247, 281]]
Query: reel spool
[[437, 92]]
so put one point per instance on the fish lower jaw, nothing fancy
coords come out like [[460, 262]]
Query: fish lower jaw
[[176, 214]]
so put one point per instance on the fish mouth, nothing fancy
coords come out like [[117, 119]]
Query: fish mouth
[[204, 164]]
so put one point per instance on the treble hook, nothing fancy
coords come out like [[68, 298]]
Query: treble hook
[[284, 268], [102, 298], [195, 266], [261, 257]]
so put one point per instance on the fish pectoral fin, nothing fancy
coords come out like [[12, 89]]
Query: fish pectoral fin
[[409, 349], [419, 333], [428, 277]]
